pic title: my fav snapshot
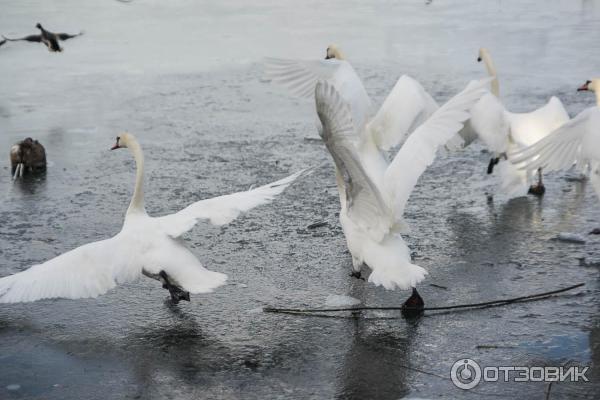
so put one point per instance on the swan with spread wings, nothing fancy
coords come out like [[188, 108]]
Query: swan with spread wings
[[145, 246], [373, 198]]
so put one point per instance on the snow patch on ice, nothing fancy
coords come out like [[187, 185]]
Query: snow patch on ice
[[570, 237]]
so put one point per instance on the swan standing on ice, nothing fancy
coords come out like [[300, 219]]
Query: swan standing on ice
[[503, 131], [373, 197], [576, 142], [145, 245], [406, 107]]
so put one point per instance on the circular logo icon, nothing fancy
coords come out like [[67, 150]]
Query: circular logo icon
[[465, 374]]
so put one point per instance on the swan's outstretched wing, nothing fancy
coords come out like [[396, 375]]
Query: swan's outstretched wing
[[224, 209], [301, 77], [364, 202], [406, 107], [569, 144], [182, 267], [529, 128], [418, 152], [87, 271]]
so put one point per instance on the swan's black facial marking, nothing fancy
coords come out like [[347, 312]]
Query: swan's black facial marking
[[478, 59], [116, 146], [584, 87], [327, 56]]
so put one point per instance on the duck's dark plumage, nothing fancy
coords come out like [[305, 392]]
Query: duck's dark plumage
[[50, 39]]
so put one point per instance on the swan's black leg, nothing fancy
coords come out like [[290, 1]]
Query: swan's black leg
[[539, 189], [357, 275], [413, 306], [493, 162], [177, 293]]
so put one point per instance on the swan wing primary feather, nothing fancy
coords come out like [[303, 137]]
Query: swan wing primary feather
[[223, 209], [406, 107], [365, 205], [300, 77], [573, 142], [418, 152], [87, 271]]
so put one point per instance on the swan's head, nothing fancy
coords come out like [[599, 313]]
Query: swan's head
[[38, 25], [482, 53], [592, 86], [334, 52], [123, 141]]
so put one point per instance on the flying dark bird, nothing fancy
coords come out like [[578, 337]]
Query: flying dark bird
[[50, 39]]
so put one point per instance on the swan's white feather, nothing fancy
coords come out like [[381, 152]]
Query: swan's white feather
[[391, 263], [406, 107], [575, 142], [300, 77], [418, 152], [183, 268], [223, 209], [490, 123], [565, 146], [145, 244], [363, 201], [87, 271], [370, 227], [529, 128]]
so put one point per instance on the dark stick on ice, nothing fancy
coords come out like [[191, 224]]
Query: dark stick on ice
[[493, 303], [438, 286], [317, 225]]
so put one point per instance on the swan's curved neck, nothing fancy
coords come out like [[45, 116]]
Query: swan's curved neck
[[137, 201], [491, 69], [597, 98]]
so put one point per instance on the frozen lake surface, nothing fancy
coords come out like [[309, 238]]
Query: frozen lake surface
[[185, 77]]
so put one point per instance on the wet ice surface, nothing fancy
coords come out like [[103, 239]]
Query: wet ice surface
[[185, 78]]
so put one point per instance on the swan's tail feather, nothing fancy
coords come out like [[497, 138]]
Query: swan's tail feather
[[514, 181], [206, 282], [402, 276]]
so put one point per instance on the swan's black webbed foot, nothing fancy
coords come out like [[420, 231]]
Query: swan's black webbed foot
[[537, 190], [413, 306], [493, 162], [357, 275], [177, 294]]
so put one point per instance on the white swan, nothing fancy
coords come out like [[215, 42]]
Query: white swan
[[373, 199], [576, 142], [406, 107], [502, 131], [145, 245]]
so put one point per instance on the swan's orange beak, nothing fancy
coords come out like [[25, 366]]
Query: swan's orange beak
[[583, 87]]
